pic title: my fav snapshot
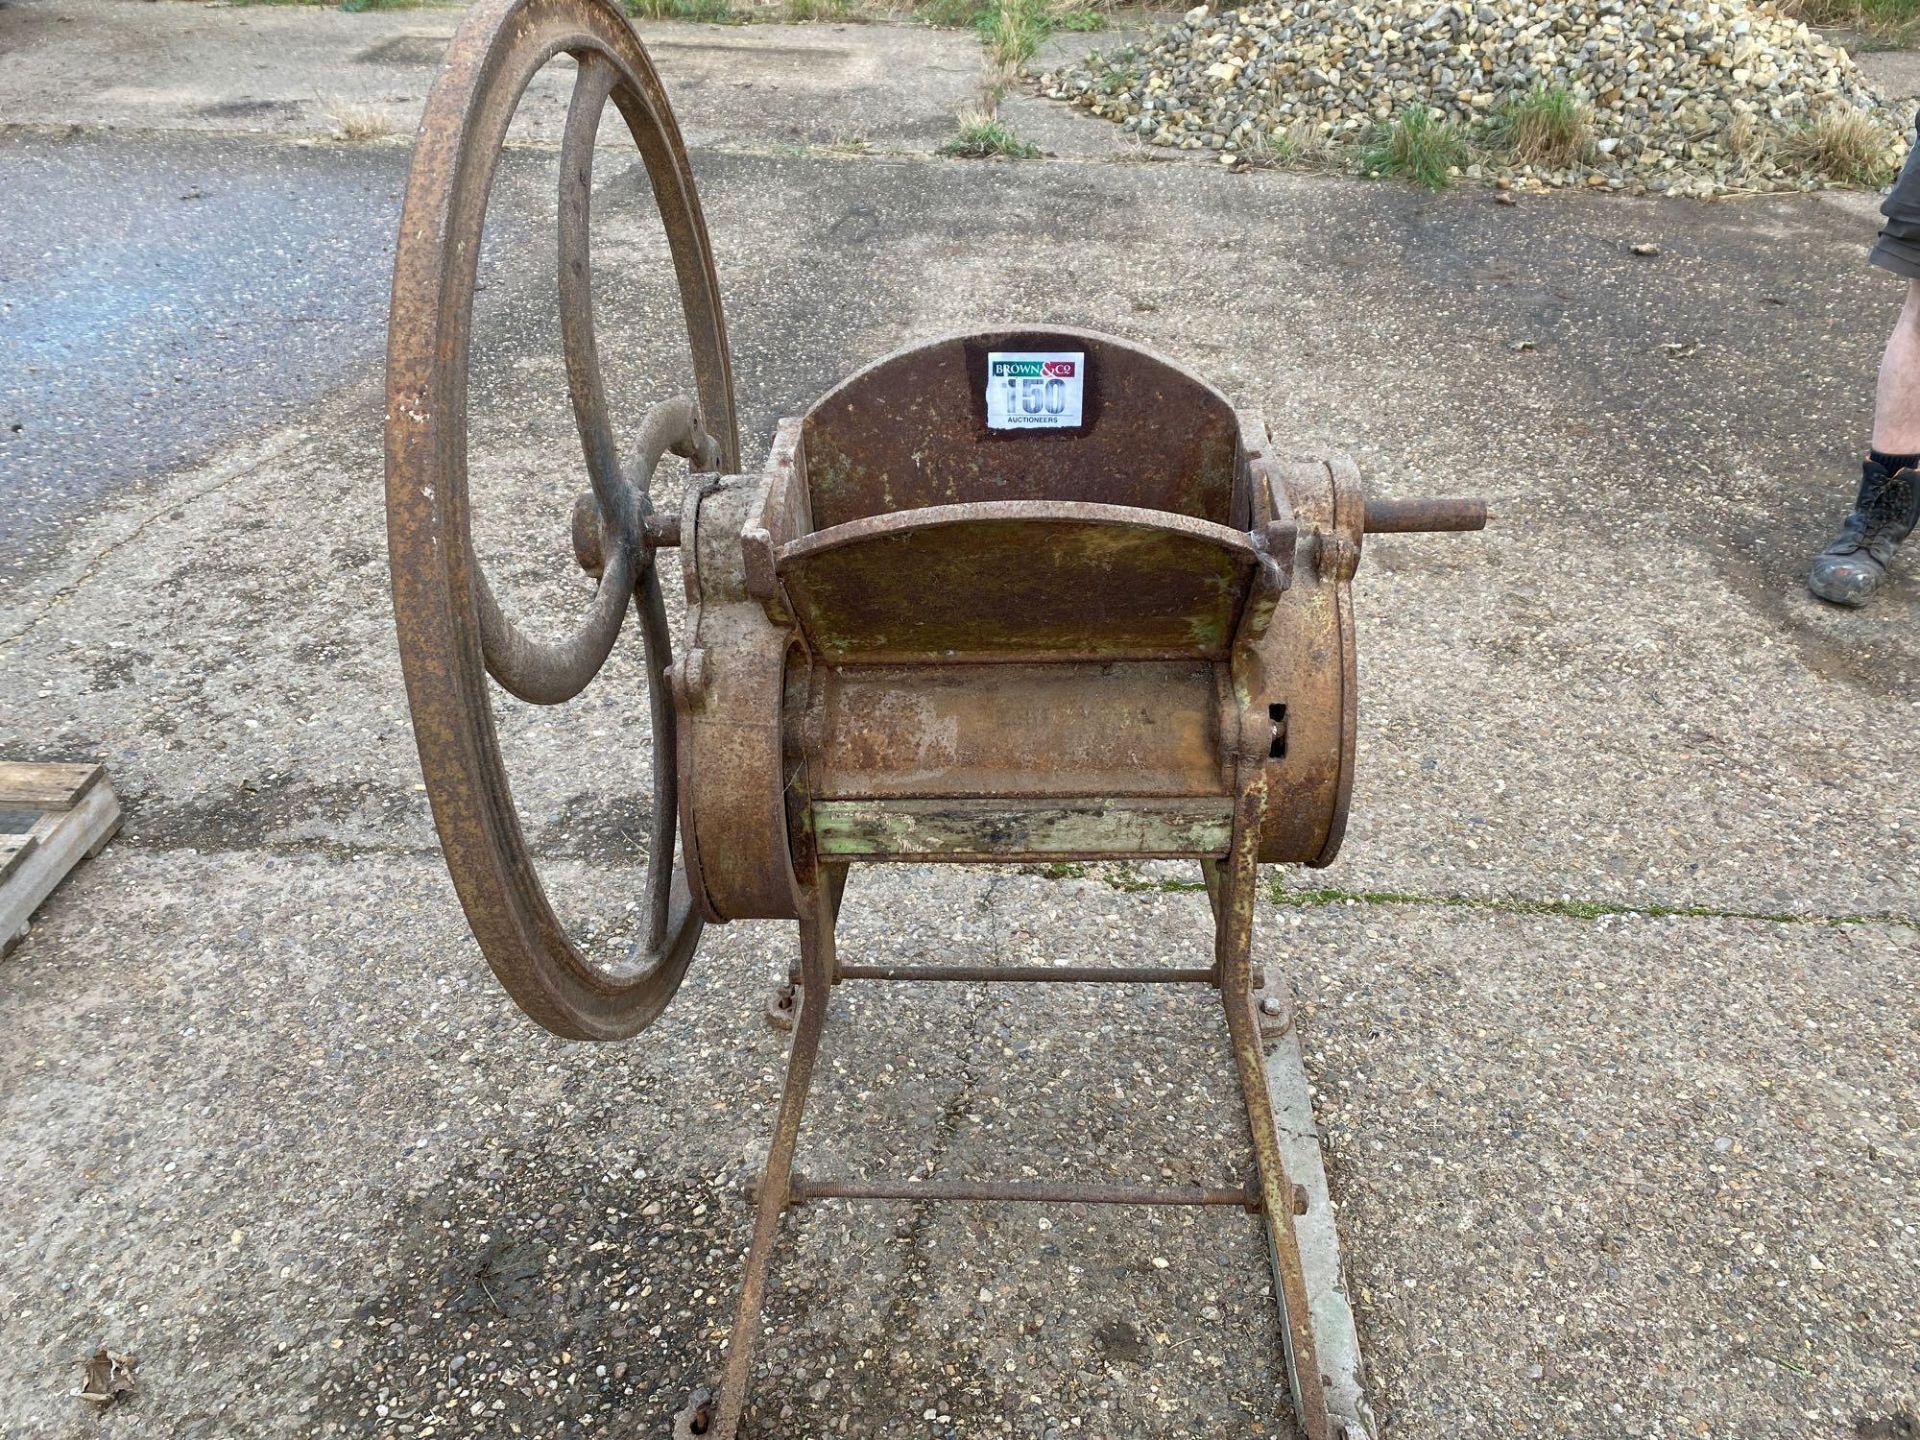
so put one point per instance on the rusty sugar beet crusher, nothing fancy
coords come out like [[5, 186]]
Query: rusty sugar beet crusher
[[1028, 595]]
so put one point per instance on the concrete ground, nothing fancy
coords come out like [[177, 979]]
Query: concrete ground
[[1611, 1000]]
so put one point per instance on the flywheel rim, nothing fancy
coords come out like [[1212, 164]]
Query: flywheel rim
[[441, 600]]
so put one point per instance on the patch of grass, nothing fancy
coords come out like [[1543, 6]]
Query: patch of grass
[[708, 12], [1893, 22], [1416, 145], [982, 138], [357, 123], [800, 12], [1076, 18], [1300, 146], [1057, 870], [1115, 874], [1131, 882], [1844, 145], [1012, 31], [1742, 140], [950, 14], [1565, 908], [1124, 877], [1547, 126], [351, 7], [1892, 17], [1274, 152]]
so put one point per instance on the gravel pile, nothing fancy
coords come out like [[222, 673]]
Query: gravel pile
[[1682, 96]]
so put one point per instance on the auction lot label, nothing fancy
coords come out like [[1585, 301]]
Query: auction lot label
[[1035, 389]]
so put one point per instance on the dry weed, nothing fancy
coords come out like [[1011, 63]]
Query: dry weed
[[357, 122]]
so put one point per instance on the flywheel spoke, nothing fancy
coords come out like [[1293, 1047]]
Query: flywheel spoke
[[453, 632], [594, 83]]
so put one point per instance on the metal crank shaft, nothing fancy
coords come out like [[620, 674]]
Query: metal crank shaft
[[1408, 517]]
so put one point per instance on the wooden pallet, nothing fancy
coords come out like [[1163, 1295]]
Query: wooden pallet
[[51, 818]]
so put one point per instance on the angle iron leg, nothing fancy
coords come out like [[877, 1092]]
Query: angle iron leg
[[785, 999], [1211, 872], [816, 966], [1233, 946]]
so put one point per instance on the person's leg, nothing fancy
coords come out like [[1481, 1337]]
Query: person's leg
[[1853, 566], [1896, 398]]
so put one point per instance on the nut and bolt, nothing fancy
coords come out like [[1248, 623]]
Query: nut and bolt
[[694, 674], [589, 529], [589, 535], [1273, 1013]]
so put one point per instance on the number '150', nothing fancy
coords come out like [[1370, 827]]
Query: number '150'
[[1036, 396]]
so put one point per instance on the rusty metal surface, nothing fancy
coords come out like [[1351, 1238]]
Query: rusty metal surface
[[1130, 729], [1070, 580], [779, 515], [672, 426], [1035, 974], [910, 431], [817, 965], [910, 638], [609, 542], [1424, 516], [729, 694], [1290, 682], [437, 585], [1336, 1337], [1045, 1192], [1335, 559], [1233, 887]]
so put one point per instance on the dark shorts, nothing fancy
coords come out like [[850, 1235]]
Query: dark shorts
[[1898, 248]]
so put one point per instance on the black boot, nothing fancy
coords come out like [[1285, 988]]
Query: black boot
[[1852, 567]]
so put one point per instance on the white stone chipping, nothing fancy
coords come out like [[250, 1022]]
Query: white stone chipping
[[1687, 98]]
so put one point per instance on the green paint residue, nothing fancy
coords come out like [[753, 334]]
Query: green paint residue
[[1565, 909], [1125, 879]]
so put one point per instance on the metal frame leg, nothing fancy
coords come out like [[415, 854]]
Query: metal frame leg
[[816, 974], [785, 999], [1327, 1407], [1232, 888]]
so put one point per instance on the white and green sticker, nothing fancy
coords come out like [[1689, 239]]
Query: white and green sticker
[[1035, 389]]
